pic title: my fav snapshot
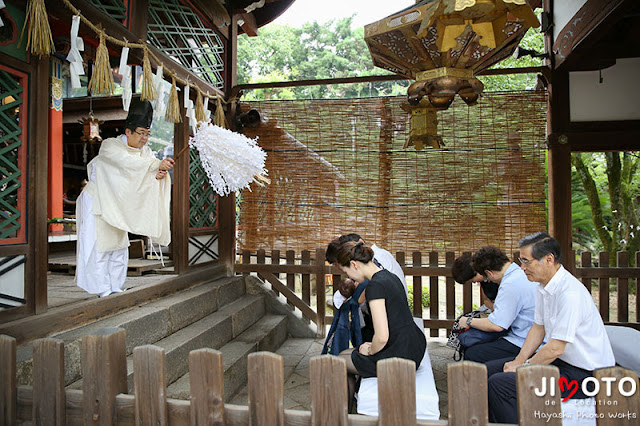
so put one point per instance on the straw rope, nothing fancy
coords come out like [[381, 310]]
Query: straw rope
[[101, 79], [39, 37], [148, 56], [172, 114]]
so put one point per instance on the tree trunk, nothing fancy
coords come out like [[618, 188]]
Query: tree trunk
[[594, 201]]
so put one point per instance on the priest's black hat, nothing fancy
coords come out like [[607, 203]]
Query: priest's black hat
[[140, 115]]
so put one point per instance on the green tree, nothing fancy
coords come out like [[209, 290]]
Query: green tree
[[611, 185], [311, 52]]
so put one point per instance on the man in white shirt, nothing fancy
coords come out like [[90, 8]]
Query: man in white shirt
[[565, 317]]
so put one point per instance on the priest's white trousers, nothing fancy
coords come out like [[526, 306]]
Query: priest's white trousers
[[97, 273]]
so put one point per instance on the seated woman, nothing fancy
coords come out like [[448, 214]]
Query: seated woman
[[395, 332]]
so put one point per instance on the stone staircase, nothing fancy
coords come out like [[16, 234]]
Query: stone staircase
[[235, 315]]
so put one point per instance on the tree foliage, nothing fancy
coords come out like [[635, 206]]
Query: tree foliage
[[313, 51], [609, 185]]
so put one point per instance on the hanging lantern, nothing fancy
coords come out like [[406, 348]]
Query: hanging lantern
[[91, 129], [443, 45]]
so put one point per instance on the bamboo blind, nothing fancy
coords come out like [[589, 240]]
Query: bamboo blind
[[337, 166]]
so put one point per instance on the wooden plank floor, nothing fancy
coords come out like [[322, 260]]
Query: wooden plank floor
[[66, 263]]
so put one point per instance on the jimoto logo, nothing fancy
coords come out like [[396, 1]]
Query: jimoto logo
[[590, 386]]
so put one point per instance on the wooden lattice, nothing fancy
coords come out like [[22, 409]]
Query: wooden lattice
[[12, 164], [337, 166], [204, 202], [114, 8], [178, 31]]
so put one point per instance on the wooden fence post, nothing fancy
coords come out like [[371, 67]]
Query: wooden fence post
[[451, 289], [49, 397], [467, 293], [585, 262], [104, 374], [533, 409], [328, 388], [150, 386], [206, 378], [246, 259], [321, 291], [603, 262], [396, 408], [471, 406], [306, 278], [8, 390], [612, 406], [266, 389], [434, 290], [275, 260], [623, 289], [291, 278]]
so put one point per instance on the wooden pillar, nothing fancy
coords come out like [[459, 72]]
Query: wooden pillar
[[227, 205], [55, 192], [180, 206], [37, 217], [560, 226], [138, 14]]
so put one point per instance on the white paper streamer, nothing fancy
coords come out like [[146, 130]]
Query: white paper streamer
[[125, 71], [76, 68], [231, 160], [160, 103], [126, 87], [185, 99], [124, 58], [2, 6]]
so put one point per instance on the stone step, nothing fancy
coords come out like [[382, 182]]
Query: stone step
[[268, 334], [212, 331], [145, 324]]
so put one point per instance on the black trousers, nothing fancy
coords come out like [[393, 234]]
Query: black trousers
[[485, 352], [503, 402]]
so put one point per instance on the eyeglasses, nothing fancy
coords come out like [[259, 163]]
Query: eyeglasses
[[142, 134], [524, 261]]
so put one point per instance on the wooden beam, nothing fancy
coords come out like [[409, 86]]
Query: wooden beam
[[371, 78], [595, 141], [138, 12], [594, 19], [249, 25], [117, 30], [215, 11]]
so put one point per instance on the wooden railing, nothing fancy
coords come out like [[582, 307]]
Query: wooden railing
[[104, 399], [297, 276]]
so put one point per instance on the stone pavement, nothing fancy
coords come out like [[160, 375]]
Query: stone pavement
[[296, 354]]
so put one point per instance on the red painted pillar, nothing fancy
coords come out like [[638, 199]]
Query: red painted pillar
[[55, 189]]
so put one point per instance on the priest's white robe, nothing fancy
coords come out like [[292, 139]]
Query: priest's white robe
[[122, 196]]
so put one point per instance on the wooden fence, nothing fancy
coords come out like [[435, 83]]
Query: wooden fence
[[427, 271], [104, 401]]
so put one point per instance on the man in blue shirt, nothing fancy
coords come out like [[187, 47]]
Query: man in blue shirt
[[513, 309]]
